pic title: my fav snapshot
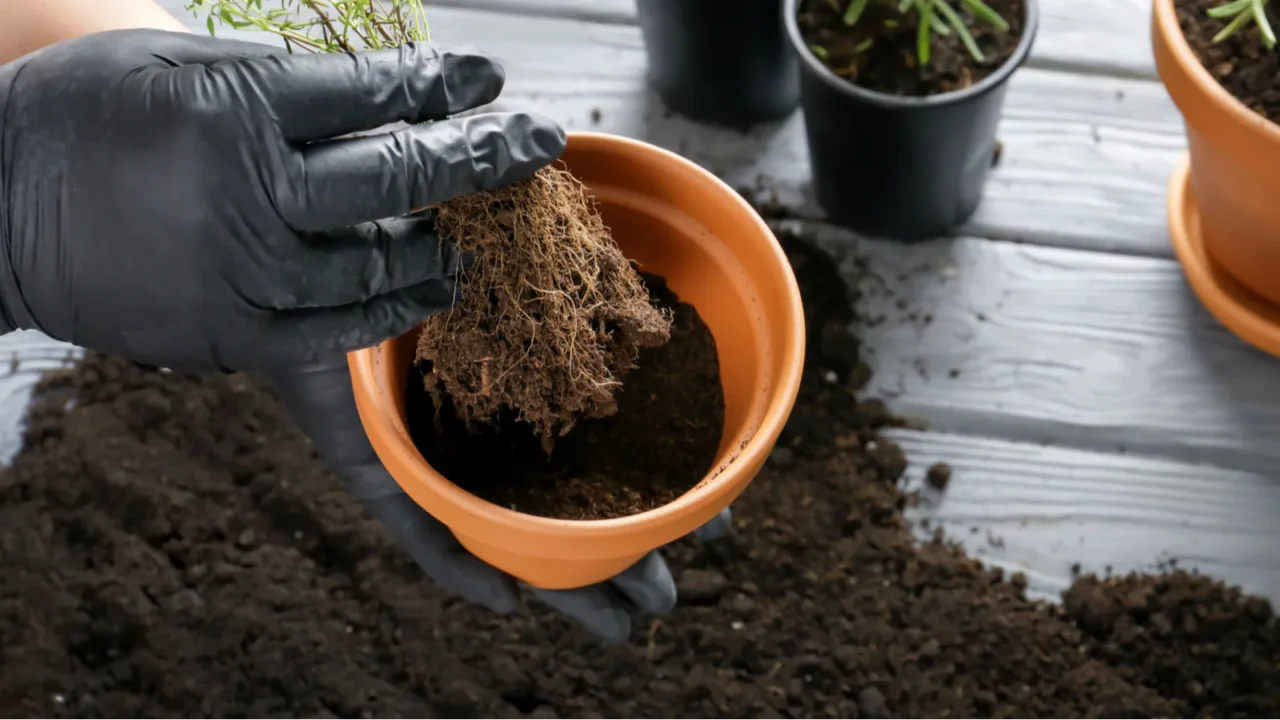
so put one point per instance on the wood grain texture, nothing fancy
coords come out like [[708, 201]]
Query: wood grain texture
[[1088, 36], [1043, 345], [1040, 510]]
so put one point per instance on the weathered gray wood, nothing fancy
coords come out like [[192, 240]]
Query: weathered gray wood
[[1085, 160], [24, 357], [1044, 345], [1040, 510], [1090, 36]]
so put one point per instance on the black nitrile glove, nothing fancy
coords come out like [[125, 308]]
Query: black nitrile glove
[[320, 398], [180, 200]]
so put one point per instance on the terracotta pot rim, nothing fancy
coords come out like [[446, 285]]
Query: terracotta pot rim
[[758, 445], [1189, 65], [1031, 24]]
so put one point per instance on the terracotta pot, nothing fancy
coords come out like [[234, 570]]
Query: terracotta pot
[[1235, 162], [678, 221]]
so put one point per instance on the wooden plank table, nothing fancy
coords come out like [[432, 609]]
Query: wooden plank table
[[1092, 411]]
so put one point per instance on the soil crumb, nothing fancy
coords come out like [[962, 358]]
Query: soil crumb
[[938, 476], [660, 443], [551, 314], [170, 546], [878, 52], [1242, 64]]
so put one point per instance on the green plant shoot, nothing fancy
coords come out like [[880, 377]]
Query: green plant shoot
[[1240, 13], [323, 25], [936, 17]]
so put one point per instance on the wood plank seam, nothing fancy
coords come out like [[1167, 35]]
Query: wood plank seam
[[1080, 349]]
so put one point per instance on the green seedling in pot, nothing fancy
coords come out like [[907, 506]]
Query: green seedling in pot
[[1239, 13], [932, 17], [323, 25]]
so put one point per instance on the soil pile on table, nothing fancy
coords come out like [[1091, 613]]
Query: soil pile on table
[[171, 546], [1242, 64], [1208, 647], [551, 316], [660, 443], [879, 51]]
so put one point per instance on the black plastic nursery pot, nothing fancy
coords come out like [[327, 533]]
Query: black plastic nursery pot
[[909, 168], [725, 62]]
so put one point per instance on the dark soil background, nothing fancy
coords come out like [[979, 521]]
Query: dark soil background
[[1240, 63], [882, 56], [660, 443], [170, 546]]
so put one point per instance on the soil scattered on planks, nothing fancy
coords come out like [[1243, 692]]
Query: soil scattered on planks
[[879, 51], [1242, 64], [170, 546], [660, 443]]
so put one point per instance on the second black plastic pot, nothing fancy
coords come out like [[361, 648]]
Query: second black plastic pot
[[909, 168], [726, 62]]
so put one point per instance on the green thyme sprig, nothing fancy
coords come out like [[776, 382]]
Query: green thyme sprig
[[933, 17], [1241, 13], [323, 25]]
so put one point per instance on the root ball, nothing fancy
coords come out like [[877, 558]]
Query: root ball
[[551, 315]]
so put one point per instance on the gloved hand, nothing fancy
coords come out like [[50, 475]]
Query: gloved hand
[[181, 200], [321, 400]]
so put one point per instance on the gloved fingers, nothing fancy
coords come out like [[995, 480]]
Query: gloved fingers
[[305, 335], [648, 585], [324, 95], [357, 263], [353, 180], [436, 550], [320, 399], [716, 528], [597, 608]]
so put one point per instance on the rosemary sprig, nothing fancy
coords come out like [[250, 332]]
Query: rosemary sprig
[[1241, 13], [938, 17], [323, 25]]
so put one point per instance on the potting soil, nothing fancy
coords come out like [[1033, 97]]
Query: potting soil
[[1241, 63], [169, 545], [661, 441], [879, 51]]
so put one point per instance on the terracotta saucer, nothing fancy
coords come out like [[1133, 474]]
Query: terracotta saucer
[[1255, 320]]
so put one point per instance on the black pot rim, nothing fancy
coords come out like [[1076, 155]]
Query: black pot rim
[[1031, 23]]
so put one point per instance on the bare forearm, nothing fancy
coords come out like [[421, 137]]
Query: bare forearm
[[32, 24]]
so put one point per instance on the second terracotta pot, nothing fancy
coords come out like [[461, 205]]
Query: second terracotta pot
[[679, 221], [1235, 162]]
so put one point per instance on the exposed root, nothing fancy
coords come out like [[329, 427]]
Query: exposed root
[[551, 314]]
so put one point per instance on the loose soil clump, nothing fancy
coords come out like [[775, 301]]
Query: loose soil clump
[[551, 314], [879, 51], [1209, 648], [1241, 63], [660, 443], [170, 546]]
